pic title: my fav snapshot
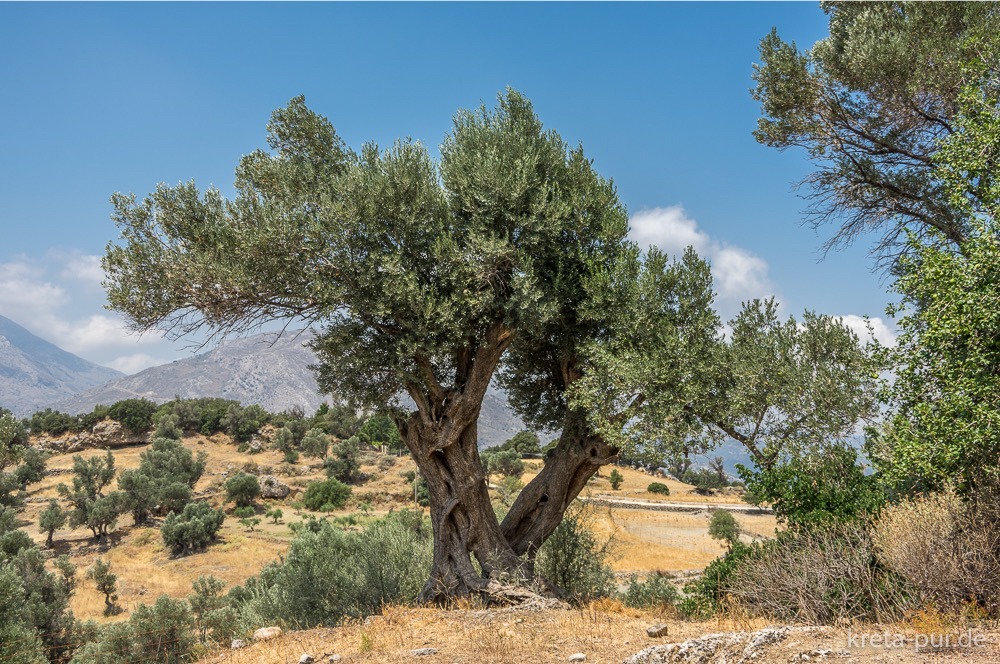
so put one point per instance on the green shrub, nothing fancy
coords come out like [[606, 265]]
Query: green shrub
[[658, 487], [52, 422], [163, 632], [32, 468], [702, 597], [421, 493], [344, 464], [326, 495], [505, 463], [242, 489], [19, 642], [136, 415], [573, 560], [723, 526], [329, 574], [194, 528], [106, 583], [241, 423], [315, 443], [656, 592], [824, 485], [616, 479], [213, 617]]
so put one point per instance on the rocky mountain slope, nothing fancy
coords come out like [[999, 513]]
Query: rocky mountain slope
[[258, 369], [35, 373]]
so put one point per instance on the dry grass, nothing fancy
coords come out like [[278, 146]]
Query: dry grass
[[605, 631], [634, 486], [647, 540]]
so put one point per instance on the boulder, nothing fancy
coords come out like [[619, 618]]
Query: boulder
[[657, 630], [265, 633], [272, 487]]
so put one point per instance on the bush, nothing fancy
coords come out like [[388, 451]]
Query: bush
[[506, 463], [136, 415], [163, 632], [616, 479], [242, 489], [344, 463], [824, 485], [32, 468], [241, 423], [52, 422], [658, 487], [703, 596], [326, 495], [41, 600], [213, 617], [379, 429], [947, 550], [107, 584], [194, 528], [19, 642], [315, 443], [331, 574], [573, 560], [723, 526], [819, 575], [656, 592]]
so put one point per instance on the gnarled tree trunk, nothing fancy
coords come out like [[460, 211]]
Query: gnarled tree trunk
[[540, 506], [463, 519], [442, 436]]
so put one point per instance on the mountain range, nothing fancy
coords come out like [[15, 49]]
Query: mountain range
[[265, 369], [35, 373]]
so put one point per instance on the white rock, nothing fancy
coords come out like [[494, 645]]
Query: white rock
[[578, 657], [306, 658], [237, 644], [423, 651], [265, 633]]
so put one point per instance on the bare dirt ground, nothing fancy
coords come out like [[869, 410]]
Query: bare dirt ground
[[604, 632]]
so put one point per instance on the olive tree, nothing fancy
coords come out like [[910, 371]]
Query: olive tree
[[420, 275], [870, 105]]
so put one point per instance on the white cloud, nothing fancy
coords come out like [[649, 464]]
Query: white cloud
[[84, 268], [131, 364], [882, 333], [55, 296], [94, 332], [738, 274], [24, 290]]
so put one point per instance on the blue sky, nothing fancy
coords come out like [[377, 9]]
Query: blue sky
[[118, 97]]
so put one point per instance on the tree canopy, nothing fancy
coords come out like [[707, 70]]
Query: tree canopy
[[871, 104], [505, 258]]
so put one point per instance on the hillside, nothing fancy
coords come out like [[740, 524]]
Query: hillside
[[260, 369], [35, 373]]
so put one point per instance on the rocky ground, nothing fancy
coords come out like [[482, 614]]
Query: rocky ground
[[603, 632]]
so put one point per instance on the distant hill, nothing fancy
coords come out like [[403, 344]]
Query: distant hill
[[34, 373], [273, 373]]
